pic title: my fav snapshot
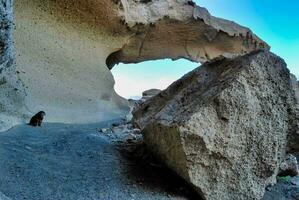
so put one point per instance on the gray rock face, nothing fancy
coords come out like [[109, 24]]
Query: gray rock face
[[150, 92], [293, 145], [11, 88], [6, 52], [223, 126], [145, 96]]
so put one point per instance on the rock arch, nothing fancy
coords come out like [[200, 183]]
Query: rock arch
[[63, 49]]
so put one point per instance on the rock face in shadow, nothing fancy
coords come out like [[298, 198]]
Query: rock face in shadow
[[6, 47], [64, 50], [293, 145], [150, 93], [289, 167], [223, 127], [12, 93]]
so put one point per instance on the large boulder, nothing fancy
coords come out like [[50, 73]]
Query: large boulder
[[223, 127]]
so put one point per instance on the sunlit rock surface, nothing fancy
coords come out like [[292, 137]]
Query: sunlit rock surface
[[223, 127], [65, 48]]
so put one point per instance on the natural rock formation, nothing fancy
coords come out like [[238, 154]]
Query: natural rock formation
[[293, 139], [289, 167], [133, 103], [11, 89], [179, 29], [63, 49], [150, 93], [223, 127], [6, 51]]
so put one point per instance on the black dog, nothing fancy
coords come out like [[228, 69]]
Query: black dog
[[37, 119]]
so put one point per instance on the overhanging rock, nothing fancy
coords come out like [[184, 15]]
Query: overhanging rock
[[179, 29]]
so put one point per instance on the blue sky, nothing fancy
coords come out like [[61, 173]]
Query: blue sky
[[276, 22]]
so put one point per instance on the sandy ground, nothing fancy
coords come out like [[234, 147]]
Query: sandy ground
[[102, 161], [69, 162]]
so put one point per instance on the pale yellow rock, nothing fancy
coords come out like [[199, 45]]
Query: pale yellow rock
[[223, 127], [64, 50]]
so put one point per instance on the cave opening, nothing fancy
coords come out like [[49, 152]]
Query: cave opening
[[132, 79]]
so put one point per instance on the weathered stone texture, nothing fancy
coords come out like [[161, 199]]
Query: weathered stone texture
[[6, 47], [64, 49], [223, 127], [293, 139], [11, 88]]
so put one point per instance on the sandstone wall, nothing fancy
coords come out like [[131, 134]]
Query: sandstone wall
[[65, 48], [61, 53]]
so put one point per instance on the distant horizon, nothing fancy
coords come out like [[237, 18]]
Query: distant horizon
[[274, 22]]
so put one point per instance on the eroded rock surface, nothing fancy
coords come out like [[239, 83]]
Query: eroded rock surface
[[150, 93], [223, 127], [64, 50], [293, 146], [11, 88], [179, 29], [133, 103]]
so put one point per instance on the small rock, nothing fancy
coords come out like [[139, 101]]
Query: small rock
[[130, 138], [115, 124], [104, 130], [28, 147], [289, 167], [136, 131]]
